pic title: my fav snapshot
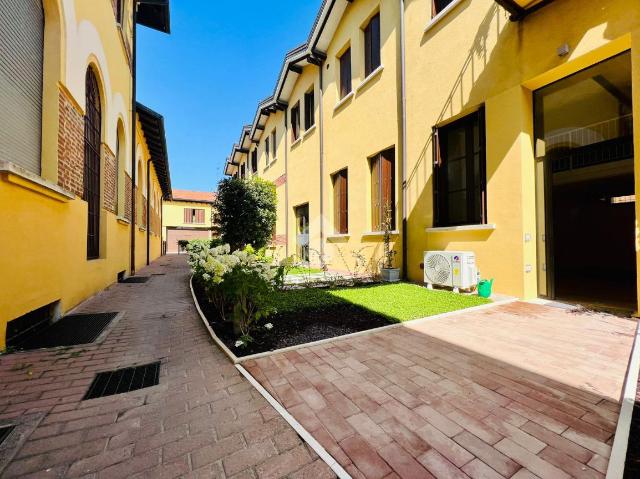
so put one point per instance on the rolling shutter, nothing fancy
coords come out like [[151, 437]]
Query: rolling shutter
[[21, 56]]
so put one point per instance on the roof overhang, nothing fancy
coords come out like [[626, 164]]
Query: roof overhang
[[519, 9], [154, 14], [153, 128]]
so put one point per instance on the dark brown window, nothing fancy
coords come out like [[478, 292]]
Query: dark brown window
[[243, 173], [459, 172], [254, 161], [266, 150], [193, 215], [274, 146], [345, 73], [340, 202], [295, 122], [383, 191], [92, 141], [372, 45], [309, 109], [119, 11], [438, 5]]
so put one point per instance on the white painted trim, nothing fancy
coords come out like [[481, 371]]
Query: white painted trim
[[435, 20], [338, 236], [344, 100], [309, 130], [370, 78], [379, 233], [298, 140], [618, 456], [442, 229], [9, 167], [302, 432]]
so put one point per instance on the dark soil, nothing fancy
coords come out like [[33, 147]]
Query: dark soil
[[292, 329]]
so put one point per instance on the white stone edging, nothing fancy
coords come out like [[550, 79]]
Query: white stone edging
[[615, 469], [298, 428]]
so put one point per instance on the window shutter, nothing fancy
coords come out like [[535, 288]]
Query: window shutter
[[336, 203], [375, 193], [186, 215], [386, 174], [21, 57], [345, 73], [344, 203]]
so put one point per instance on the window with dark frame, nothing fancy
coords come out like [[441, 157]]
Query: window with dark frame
[[242, 171], [274, 146], [295, 122], [119, 11], [383, 191], [254, 161], [193, 216], [460, 172], [266, 151], [340, 202], [372, 45], [92, 143], [438, 5], [309, 109], [345, 73]]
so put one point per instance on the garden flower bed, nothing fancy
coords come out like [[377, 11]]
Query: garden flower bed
[[310, 314]]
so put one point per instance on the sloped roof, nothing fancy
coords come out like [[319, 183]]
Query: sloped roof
[[195, 196]]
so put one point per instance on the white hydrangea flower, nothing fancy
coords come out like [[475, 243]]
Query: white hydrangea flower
[[239, 343], [269, 326]]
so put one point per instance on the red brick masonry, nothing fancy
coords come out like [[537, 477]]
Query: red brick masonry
[[70, 145], [203, 420]]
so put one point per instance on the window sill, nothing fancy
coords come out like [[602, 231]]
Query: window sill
[[435, 20], [338, 236], [373, 75], [122, 220], [296, 142], [309, 130], [444, 229], [142, 228], [380, 233], [30, 181], [347, 98]]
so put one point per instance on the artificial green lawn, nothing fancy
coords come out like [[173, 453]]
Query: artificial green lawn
[[303, 270], [397, 301]]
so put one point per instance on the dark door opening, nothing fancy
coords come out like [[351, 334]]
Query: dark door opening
[[302, 232], [585, 176]]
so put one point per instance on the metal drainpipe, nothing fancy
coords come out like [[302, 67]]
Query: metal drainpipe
[[148, 223], [321, 138], [286, 183], [162, 247], [134, 50], [405, 241]]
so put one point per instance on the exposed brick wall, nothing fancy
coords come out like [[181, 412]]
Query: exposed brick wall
[[70, 145], [280, 240], [110, 199], [281, 180], [127, 196]]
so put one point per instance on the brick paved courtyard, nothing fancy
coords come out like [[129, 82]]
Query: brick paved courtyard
[[519, 391], [203, 420]]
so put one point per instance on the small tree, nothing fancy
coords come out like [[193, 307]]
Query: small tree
[[246, 212], [388, 253]]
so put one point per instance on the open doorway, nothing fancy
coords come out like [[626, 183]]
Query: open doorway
[[302, 232], [585, 187]]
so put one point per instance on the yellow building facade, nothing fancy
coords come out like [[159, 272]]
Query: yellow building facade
[[187, 216], [496, 127], [66, 176]]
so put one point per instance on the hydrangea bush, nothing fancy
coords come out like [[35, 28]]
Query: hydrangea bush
[[238, 284]]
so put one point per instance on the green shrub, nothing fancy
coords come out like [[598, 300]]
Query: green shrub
[[246, 212]]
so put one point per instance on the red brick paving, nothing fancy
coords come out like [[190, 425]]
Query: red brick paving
[[203, 420], [463, 397]]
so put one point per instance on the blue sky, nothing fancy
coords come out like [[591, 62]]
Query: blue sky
[[207, 77]]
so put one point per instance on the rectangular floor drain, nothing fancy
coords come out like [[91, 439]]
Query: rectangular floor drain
[[124, 380], [4, 433], [136, 279], [70, 330]]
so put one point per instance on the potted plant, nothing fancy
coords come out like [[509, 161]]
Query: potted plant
[[388, 272]]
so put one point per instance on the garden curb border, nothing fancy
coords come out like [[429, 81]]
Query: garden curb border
[[617, 459], [297, 427], [239, 360]]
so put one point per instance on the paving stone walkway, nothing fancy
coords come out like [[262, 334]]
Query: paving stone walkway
[[203, 419], [517, 391]]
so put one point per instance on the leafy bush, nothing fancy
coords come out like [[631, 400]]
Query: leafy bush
[[237, 283], [246, 212]]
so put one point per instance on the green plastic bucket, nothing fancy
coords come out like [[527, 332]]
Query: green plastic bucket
[[484, 288]]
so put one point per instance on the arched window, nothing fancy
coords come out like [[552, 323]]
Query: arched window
[[92, 141], [21, 61]]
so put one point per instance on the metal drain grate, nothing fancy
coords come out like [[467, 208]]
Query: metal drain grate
[[5, 432], [70, 330], [136, 279], [124, 380]]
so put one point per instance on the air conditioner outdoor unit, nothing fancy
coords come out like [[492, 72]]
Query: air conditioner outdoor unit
[[455, 269]]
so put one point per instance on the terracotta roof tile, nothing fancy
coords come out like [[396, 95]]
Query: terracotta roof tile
[[186, 195]]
